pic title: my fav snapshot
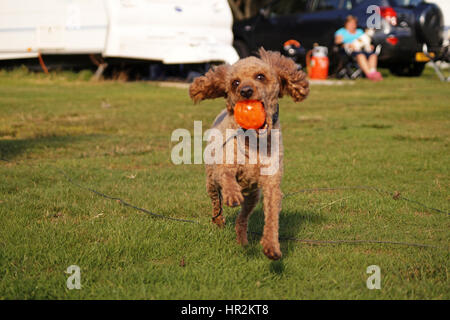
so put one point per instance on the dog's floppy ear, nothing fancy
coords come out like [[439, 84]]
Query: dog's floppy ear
[[293, 81], [211, 85]]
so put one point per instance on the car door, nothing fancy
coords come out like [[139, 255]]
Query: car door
[[307, 21], [277, 24], [322, 21]]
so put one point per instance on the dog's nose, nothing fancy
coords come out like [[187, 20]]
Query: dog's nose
[[247, 92]]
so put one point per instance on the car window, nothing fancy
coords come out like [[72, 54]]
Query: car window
[[406, 3], [347, 4], [289, 7], [321, 5], [398, 3]]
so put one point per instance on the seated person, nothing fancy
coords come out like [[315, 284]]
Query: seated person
[[354, 41]]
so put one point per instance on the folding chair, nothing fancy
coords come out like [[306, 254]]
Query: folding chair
[[347, 67], [444, 56]]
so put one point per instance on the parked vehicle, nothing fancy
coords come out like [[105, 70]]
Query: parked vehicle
[[169, 31], [405, 26], [444, 5]]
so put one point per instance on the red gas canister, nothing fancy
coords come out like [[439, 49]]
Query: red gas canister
[[317, 63]]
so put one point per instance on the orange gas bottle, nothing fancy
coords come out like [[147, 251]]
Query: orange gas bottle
[[317, 63]]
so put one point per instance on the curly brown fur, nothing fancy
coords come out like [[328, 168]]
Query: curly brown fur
[[211, 85], [293, 83], [269, 78]]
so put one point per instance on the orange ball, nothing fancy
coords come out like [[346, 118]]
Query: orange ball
[[250, 114]]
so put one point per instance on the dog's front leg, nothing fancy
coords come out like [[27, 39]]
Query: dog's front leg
[[272, 207], [231, 190]]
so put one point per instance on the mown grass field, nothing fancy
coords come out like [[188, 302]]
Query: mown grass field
[[115, 137]]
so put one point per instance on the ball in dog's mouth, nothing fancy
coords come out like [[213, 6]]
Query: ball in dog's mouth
[[250, 114]]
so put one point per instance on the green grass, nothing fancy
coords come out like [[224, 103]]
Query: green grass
[[115, 137]]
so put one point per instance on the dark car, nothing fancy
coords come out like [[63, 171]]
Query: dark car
[[405, 26]]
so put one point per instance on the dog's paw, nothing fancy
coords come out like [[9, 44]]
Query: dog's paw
[[241, 232], [271, 250], [232, 197], [241, 237], [219, 221], [243, 241]]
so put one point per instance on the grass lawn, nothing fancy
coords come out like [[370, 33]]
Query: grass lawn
[[115, 137]]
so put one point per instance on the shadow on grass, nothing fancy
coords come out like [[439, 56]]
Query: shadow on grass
[[10, 149], [290, 224]]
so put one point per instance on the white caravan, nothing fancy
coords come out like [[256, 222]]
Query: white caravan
[[183, 31]]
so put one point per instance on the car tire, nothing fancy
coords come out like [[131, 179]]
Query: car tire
[[241, 48], [408, 70], [429, 24]]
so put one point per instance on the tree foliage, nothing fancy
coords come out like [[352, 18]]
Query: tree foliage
[[243, 9]]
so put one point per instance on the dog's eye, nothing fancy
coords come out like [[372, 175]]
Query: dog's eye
[[235, 83], [260, 77]]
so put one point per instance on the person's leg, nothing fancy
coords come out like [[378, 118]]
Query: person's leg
[[365, 66], [373, 61], [363, 63]]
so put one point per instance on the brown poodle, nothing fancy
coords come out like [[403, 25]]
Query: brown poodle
[[265, 79]]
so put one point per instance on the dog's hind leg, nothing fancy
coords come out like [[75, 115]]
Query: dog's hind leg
[[250, 202], [216, 198]]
